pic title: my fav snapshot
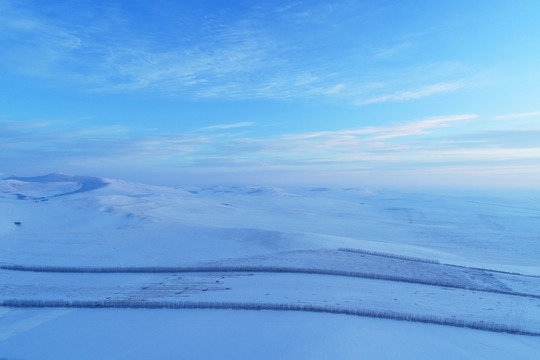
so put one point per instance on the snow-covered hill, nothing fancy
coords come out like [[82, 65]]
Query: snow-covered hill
[[452, 257], [51, 185], [92, 221]]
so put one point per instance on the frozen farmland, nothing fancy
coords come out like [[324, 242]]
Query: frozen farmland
[[258, 272]]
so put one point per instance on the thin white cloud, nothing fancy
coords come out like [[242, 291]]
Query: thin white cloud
[[115, 142], [39, 46], [241, 57], [392, 51], [380, 132], [112, 130], [226, 126], [421, 126], [335, 89], [20, 125], [414, 94], [518, 115], [385, 149], [490, 153]]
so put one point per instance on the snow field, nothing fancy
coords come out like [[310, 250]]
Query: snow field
[[296, 289], [396, 267], [226, 334]]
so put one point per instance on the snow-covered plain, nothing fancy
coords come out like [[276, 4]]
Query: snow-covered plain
[[451, 256]]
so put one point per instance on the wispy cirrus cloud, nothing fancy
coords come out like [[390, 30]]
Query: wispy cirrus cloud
[[117, 144], [422, 92], [376, 149], [391, 51], [226, 126], [385, 132], [519, 115], [222, 55]]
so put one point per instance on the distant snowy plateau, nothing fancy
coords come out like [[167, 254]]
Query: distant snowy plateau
[[95, 268]]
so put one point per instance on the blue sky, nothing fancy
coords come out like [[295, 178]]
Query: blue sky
[[273, 92]]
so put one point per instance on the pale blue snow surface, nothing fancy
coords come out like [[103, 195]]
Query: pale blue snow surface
[[229, 334], [136, 225]]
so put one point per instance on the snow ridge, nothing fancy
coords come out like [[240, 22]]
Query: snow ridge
[[384, 314], [258, 269]]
